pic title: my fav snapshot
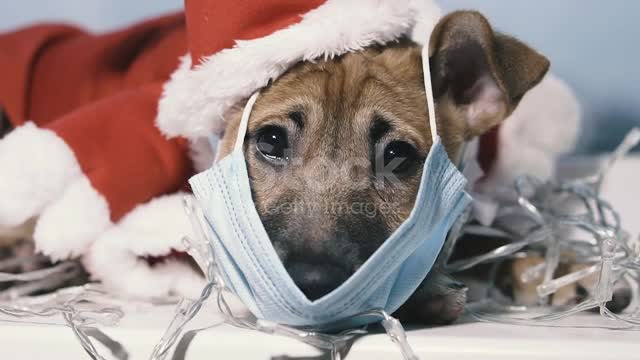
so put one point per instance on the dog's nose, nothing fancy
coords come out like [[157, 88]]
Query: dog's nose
[[316, 279]]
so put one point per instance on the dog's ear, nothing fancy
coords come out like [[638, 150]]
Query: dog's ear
[[484, 74]]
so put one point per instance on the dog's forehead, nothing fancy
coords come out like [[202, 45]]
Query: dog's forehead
[[345, 96]]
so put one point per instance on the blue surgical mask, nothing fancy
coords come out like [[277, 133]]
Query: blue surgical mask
[[251, 268]]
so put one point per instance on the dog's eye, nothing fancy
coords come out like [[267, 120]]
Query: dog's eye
[[399, 156], [272, 143]]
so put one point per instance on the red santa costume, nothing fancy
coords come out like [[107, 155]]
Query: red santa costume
[[108, 128]]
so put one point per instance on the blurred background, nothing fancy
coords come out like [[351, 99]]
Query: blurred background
[[593, 45]]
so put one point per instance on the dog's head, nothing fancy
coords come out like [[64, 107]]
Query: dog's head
[[335, 148]]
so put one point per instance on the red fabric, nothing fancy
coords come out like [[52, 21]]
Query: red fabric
[[100, 93], [122, 152], [86, 68], [238, 20], [488, 149], [19, 52]]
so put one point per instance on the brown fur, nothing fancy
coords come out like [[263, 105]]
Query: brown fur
[[11, 236], [525, 293], [332, 153]]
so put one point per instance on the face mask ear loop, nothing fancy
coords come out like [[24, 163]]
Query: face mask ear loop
[[428, 89], [244, 122]]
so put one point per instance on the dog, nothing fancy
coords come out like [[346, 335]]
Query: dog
[[317, 133], [335, 147]]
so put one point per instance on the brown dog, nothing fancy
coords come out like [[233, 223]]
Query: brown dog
[[321, 135]]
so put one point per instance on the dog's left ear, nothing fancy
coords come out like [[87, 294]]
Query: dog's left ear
[[484, 74]]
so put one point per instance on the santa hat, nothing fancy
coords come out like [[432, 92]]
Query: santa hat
[[238, 47]]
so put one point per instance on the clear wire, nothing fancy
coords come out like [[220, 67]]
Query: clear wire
[[604, 249]]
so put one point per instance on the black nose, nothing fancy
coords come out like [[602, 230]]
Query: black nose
[[316, 279]]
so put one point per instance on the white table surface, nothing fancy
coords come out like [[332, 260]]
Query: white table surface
[[139, 331]]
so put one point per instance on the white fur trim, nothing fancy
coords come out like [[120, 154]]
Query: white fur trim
[[544, 126], [427, 16], [195, 101], [35, 166], [151, 229], [71, 223], [202, 154]]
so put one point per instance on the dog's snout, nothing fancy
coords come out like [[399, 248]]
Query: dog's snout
[[320, 251], [318, 278]]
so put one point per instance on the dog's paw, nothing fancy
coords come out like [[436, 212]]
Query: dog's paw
[[439, 300], [444, 308], [525, 292]]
